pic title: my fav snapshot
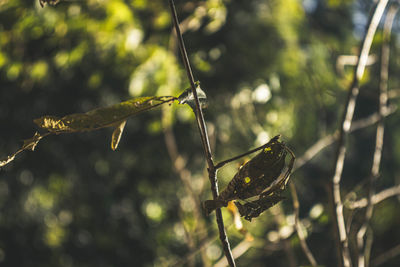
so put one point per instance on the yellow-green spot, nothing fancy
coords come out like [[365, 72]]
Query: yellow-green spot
[[14, 71], [267, 149], [3, 59], [39, 70], [54, 235], [94, 80], [154, 211], [247, 180]]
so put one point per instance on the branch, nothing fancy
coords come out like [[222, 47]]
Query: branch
[[393, 93], [178, 163], [391, 253], [299, 226], [352, 60], [372, 119], [280, 220], [212, 171], [345, 128], [199, 113], [203, 244], [237, 251], [326, 141], [375, 199], [364, 250]]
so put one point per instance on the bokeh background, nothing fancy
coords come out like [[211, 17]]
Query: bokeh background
[[267, 66]]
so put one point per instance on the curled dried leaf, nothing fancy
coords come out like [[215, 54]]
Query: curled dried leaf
[[264, 176], [116, 136]]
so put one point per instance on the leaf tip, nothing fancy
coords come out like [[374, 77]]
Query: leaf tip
[[116, 135]]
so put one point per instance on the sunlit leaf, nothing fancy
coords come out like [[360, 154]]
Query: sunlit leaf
[[116, 136], [101, 117], [113, 116]]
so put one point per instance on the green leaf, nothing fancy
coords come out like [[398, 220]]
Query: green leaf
[[101, 117]]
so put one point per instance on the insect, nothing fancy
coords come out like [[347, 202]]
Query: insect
[[262, 176]]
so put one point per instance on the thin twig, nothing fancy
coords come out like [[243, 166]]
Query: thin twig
[[299, 227], [326, 141], [393, 93], [387, 255], [246, 244], [179, 162], [237, 251], [199, 113], [382, 105], [344, 60], [345, 128], [280, 220], [372, 119], [313, 150], [184, 174], [189, 240], [203, 244], [212, 171], [376, 198]]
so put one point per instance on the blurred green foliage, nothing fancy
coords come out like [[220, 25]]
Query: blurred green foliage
[[267, 67]]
